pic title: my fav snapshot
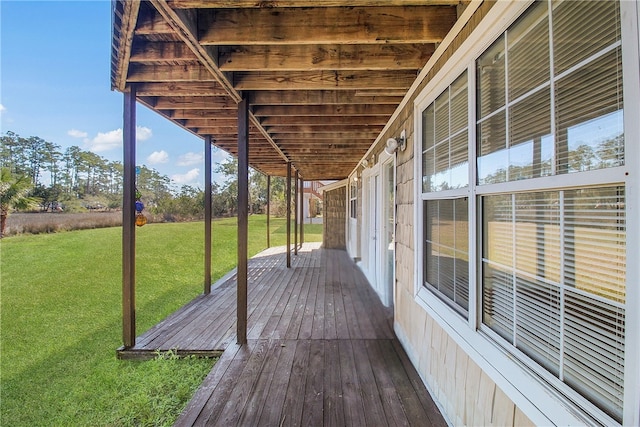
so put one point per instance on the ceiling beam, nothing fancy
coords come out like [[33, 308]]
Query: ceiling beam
[[325, 57], [324, 110], [375, 25], [161, 52], [291, 97], [198, 103], [324, 121], [327, 128], [185, 88], [225, 4], [315, 80], [339, 136], [169, 73]]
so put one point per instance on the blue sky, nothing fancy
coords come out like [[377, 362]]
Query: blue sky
[[55, 84]]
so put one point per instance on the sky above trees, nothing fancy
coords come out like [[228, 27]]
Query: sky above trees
[[54, 84]]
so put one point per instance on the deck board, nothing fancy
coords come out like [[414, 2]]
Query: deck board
[[321, 349]]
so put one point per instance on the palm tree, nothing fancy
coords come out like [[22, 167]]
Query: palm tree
[[14, 195]]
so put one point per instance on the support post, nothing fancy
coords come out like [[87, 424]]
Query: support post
[[243, 217], [128, 221], [268, 210], [301, 211], [288, 214], [295, 215], [207, 215]]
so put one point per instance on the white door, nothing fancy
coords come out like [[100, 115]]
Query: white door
[[379, 236], [374, 229]]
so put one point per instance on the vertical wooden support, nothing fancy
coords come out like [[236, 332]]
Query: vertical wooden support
[[207, 214], [301, 211], [128, 221], [288, 214], [295, 214], [243, 217], [268, 210]]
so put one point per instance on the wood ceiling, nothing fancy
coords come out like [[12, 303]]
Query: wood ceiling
[[322, 77]]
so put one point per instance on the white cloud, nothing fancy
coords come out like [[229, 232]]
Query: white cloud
[[158, 157], [190, 159], [105, 141], [2, 108], [186, 178], [143, 133], [77, 133]]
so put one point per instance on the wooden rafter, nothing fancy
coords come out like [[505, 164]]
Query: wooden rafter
[[321, 78]]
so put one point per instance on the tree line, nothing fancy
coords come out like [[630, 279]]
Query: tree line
[[76, 180]]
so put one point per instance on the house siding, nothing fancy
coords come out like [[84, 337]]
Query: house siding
[[334, 217], [455, 361], [465, 393]]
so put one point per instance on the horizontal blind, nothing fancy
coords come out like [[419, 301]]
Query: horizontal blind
[[573, 324], [446, 250], [528, 50], [581, 29], [445, 139], [594, 350], [589, 116]]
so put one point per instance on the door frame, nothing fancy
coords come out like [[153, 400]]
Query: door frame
[[373, 243]]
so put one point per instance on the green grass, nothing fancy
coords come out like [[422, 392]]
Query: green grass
[[61, 321]]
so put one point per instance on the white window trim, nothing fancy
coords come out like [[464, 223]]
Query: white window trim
[[537, 400]]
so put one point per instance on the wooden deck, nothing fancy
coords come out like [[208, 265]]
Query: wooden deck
[[321, 349]]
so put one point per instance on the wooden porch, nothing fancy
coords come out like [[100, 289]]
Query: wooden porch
[[321, 349]]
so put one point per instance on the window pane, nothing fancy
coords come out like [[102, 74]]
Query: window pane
[[530, 124], [528, 41], [490, 75], [459, 176], [428, 170], [594, 351], [589, 116], [595, 236], [442, 116], [428, 126], [497, 300], [537, 223], [461, 226], [446, 250], [446, 148], [459, 104], [445, 220], [498, 229], [572, 324], [441, 178], [581, 29], [538, 322], [493, 158]]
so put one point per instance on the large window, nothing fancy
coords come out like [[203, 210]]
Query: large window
[[553, 276], [445, 179], [546, 197]]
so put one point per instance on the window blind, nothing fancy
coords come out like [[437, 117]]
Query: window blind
[[572, 324]]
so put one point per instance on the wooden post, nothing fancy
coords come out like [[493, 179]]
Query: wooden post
[[268, 210], [128, 221], [207, 215], [288, 214], [243, 217], [301, 211], [295, 214]]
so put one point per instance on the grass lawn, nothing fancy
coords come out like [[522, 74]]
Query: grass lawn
[[61, 308]]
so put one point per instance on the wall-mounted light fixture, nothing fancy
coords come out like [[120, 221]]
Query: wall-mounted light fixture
[[364, 163], [394, 143]]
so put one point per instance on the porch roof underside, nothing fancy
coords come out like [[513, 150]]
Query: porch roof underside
[[321, 81]]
